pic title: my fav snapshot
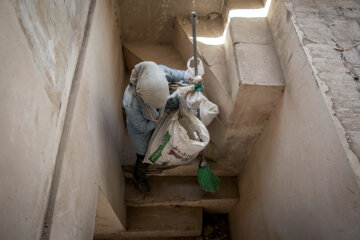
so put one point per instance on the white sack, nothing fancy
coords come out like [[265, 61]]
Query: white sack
[[170, 144], [190, 72], [208, 110]]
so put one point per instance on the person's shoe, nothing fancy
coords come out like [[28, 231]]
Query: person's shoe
[[140, 176], [142, 184]]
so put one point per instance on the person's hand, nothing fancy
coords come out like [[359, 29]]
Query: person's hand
[[197, 79]]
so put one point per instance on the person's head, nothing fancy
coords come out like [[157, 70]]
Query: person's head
[[150, 84]]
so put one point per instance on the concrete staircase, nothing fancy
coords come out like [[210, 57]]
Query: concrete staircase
[[174, 206], [184, 192], [176, 195], [157, 222], [243, 77]]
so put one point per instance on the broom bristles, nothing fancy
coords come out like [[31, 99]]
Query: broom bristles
[[208, 181]]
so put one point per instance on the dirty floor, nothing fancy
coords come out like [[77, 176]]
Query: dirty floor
[[215, 227]]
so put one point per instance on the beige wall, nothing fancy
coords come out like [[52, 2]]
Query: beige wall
[[94, 149], [39, 51], [36, 70], [298, 182], [154, 20]]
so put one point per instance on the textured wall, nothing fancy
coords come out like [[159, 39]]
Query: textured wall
[[322, 26], [94, 148], [40, 43], [148, 20], [36, 69], [153, 21], [298, 182], [53, 30]]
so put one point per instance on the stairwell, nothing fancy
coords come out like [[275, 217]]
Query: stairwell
[[243, 77], [287, 156]]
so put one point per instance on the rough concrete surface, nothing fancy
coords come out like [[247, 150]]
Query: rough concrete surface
[[185, 170], [54, 54], [184, 191], [252, 58], [157, 17], [257, 75], [106, 221], [166, 54], [297, 183], [253, 108], [250, 30], [321, 26], [36, 71], [242, 76], [94, 149], [147, 222]]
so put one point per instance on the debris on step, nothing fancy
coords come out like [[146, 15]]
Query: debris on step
[[184, 191], [213, 16], [215, 226]]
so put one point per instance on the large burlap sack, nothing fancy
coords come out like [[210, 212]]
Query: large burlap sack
[[171, 144]]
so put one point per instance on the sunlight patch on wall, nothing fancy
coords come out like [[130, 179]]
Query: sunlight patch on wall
[[239, 13]]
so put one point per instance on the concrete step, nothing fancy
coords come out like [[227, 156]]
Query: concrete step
[[210, 45], [216, 83], [255, 69], [158, 222], [244, 77], [166, 54], [184, 191], [186, 170]]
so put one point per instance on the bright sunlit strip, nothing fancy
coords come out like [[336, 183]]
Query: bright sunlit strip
[[240, 13], [211, 41], [250, 13]]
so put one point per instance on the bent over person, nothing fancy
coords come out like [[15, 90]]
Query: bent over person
[[144, 101]]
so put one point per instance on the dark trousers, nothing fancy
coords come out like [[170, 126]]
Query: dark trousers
[[140, 167], [139, 157]]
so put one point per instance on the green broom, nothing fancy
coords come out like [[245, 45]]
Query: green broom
[[208, 181]]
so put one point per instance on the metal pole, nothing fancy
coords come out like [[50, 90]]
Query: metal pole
[[193, 21]]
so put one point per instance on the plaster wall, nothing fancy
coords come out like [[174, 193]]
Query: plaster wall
[[298, 182], [36, 70], [153, 21], [325, 27], [94, 149]]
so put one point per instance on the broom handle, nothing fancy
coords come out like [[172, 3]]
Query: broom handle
[[193, 22]]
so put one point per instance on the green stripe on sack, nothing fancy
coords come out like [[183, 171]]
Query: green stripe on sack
[[157, 154]]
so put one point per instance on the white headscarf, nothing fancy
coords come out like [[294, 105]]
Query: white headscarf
[[150, 87]]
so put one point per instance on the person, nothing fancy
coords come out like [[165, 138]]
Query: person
[[144, 101]]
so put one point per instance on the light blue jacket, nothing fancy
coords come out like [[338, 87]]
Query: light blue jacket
[[139, 128]]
